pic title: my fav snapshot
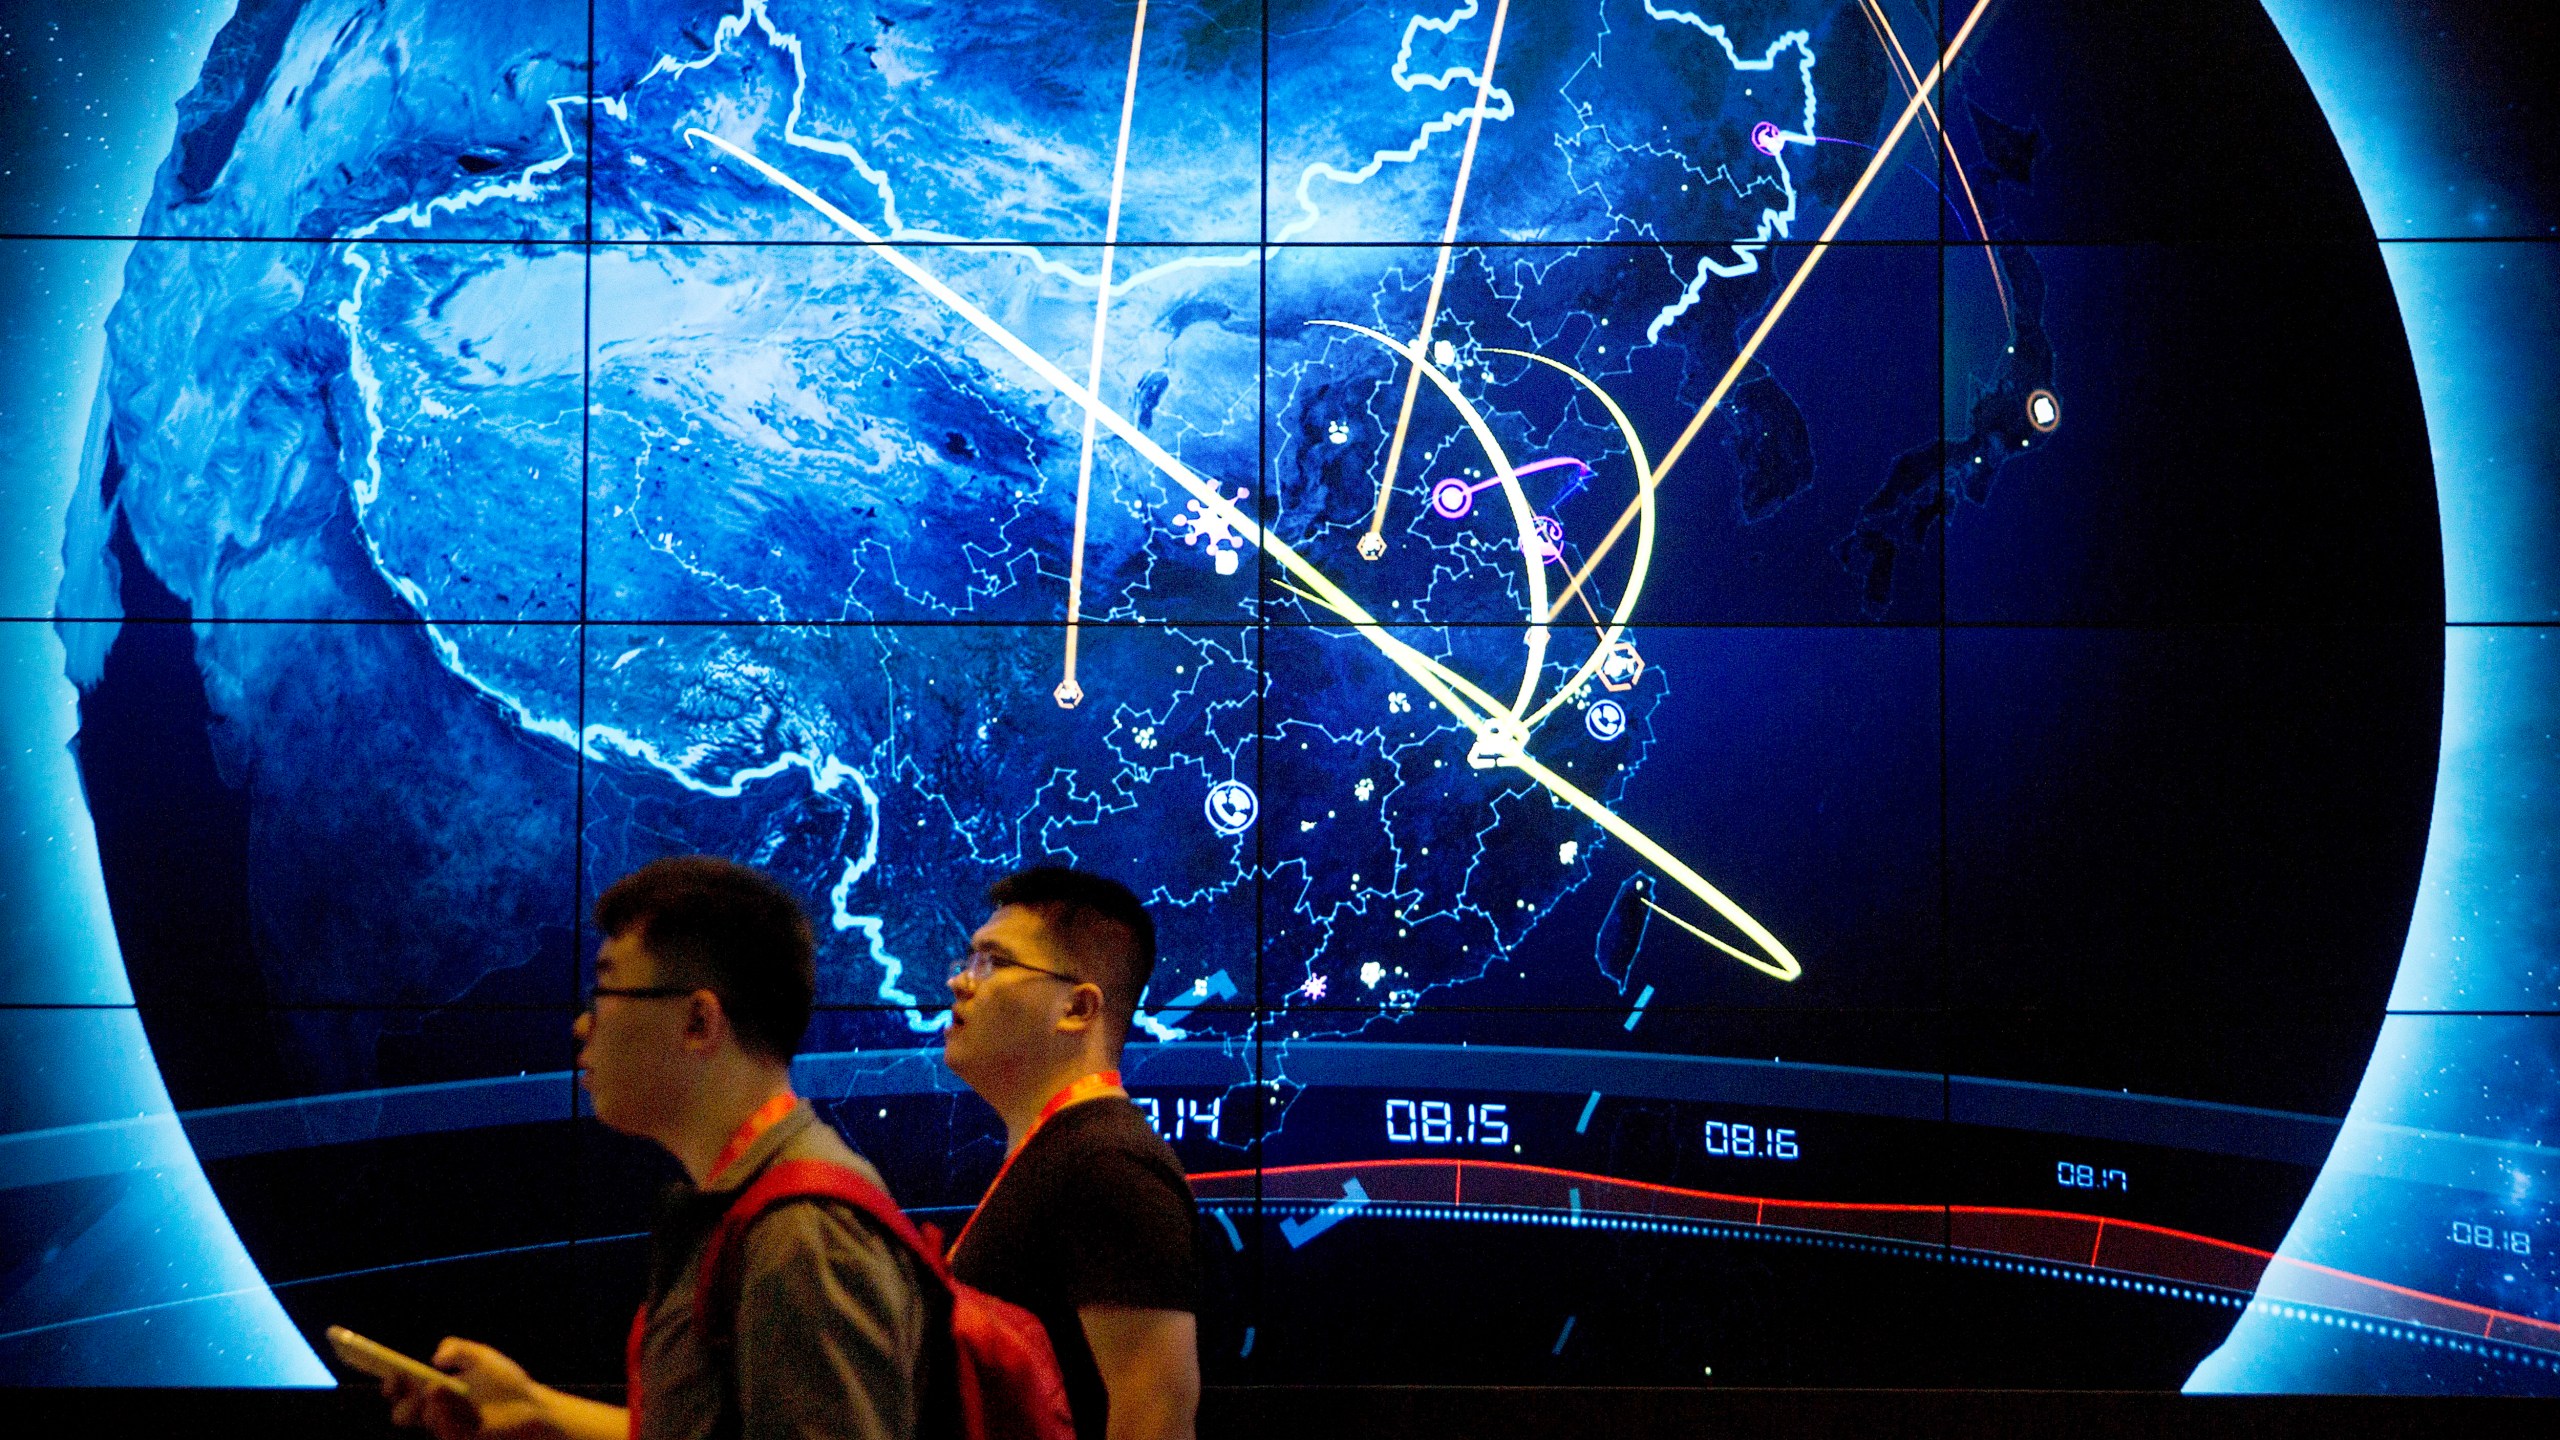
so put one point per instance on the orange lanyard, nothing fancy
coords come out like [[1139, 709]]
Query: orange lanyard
[[1074, 1092], [767, 1115]]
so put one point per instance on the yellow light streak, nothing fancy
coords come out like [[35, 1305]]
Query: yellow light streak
[[1909, 75], [1374, 544], [1694, 930], [1499, 734], [1069, 693], [1786, 297]]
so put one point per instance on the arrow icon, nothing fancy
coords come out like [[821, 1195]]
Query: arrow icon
[[1299, 1232], [1216, 987]]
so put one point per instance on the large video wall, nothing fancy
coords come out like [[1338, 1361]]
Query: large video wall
[[1822, 692]]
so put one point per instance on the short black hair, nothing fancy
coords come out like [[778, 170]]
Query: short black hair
[[734, 931], [1095, 918]]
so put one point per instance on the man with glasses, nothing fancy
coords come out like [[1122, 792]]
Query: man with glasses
[[704, 984], [1089, 1225]]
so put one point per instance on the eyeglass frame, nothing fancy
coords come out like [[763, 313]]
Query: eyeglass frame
[[979, 965], [638, 992]]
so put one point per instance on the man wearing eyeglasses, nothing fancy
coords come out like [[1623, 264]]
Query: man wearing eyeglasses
[[704, 984], [1089, 1225]]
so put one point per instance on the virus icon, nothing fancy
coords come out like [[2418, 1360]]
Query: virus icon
[[1219, 531], [1314, 988]]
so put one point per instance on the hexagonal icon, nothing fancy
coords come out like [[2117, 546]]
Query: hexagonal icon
[[1622, 668]]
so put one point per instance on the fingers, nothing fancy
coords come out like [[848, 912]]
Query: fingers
[[450, 1417]]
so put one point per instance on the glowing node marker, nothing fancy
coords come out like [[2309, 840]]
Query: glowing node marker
[[1622, 667], [1231, 807], [1451, 499], [1069, 694], [1606, 720], [1765, 138], [2044, 411]]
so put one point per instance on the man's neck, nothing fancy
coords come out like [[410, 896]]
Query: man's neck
[[1020, 1109], [725, 1103]]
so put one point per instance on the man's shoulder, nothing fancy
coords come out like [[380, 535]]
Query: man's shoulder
[[821, 1142], [817, 1229]]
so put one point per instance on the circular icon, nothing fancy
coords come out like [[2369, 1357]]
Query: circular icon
[[2044, 411], [1451, 499], [1606, 720], [1230, 807], [1550, 538], [1765, 138]]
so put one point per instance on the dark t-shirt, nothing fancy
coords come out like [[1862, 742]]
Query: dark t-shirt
[[1094, 1211]]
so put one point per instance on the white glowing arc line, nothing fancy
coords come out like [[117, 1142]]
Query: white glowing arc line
[[1423, 671], [1067, 687], [1214, 505], [1646, 481], [1523, 515]]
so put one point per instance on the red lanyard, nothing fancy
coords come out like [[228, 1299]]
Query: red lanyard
[[767, 1115], [1074, 1092]]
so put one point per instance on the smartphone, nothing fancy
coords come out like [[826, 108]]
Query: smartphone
[[384, 1363]]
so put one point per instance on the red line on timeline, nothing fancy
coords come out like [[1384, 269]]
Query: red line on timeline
[[2489, 1317]]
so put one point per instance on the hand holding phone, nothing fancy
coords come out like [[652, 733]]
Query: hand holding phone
[[384, 1363]]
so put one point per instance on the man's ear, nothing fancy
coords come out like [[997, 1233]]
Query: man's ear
[[1083, 1009], [706, 1022]]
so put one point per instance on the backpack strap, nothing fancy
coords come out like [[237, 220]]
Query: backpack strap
[[716, 1285]]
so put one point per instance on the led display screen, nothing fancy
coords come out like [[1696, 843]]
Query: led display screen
[[1816, 692]]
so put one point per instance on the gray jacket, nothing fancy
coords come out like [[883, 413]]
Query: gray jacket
[[831, 1314]]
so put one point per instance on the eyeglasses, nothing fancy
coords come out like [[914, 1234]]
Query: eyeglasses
[[979, 964], [638, 992]]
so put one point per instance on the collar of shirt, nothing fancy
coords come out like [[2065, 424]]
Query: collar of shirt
[[767, 1117]]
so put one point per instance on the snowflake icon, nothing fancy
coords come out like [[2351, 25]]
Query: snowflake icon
[[1314, 988], [1217, 529]]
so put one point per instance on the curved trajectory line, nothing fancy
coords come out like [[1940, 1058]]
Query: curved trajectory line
[[1786, 297], [1500, 738]]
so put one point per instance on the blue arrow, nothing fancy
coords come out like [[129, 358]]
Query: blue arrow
[[1299, 1232], [1216, 987]]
